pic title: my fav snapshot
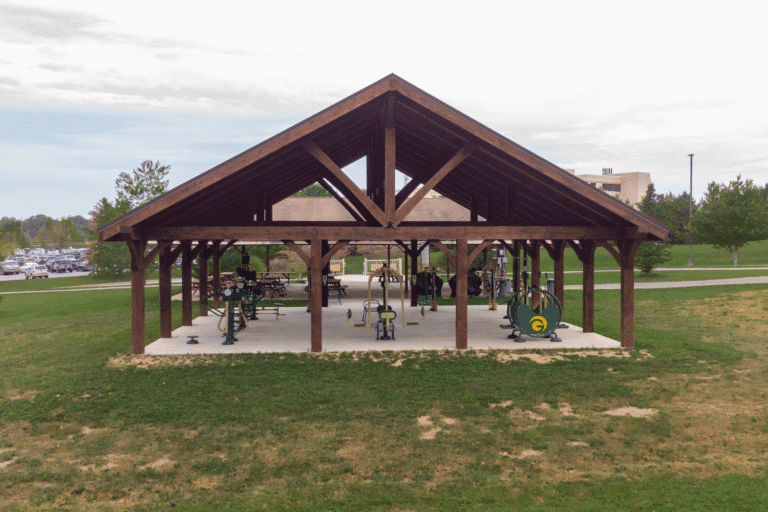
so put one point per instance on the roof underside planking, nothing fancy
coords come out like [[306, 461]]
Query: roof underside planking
[[500, 182]]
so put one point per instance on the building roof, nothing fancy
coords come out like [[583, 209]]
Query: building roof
[[393, 124]]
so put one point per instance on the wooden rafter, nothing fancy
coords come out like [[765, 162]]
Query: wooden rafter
[[411, 203], [346, 183], [351, 209]]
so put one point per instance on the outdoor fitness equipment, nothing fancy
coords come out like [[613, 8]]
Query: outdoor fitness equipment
[[429, 285], [489, 284], [539, 321], [239, 300], [385, 327]]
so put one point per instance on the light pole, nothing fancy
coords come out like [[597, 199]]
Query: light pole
[[690, 218]]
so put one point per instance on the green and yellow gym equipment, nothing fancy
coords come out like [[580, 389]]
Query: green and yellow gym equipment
[[240, 300], [385, 326], [537, 320]]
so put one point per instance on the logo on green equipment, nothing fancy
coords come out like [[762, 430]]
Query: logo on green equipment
[[538, 323]]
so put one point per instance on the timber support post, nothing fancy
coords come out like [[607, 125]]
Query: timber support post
[[165, 290], [316, 295], [139, 264], [462, 266], [216, 272], [585, 250], [627, 251]]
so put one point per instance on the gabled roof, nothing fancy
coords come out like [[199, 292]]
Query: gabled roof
[[488, 174]]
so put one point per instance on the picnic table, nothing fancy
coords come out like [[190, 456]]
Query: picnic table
[[272, 284], [226, 278], [335, 288]]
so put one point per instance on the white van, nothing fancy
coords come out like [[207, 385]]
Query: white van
[[39, 271]]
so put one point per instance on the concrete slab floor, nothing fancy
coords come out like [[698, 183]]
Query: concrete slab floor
[[291, 333]]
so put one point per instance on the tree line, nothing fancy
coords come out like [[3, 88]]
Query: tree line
[[728, 217], [40, 231]]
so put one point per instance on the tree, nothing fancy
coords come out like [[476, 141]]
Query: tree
[[314, 190], [144, 184], [651, 254], [670, 210], [107, 258], [133, 190], [731, 216]]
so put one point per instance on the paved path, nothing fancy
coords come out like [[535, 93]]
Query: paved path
[[358, 281], [679, 284]]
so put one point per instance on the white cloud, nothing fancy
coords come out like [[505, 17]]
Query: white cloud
[[629, 85]]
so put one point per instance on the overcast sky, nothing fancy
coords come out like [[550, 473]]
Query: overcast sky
[[89, 89]]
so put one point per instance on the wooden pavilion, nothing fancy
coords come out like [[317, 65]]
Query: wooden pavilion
[[512, 195]]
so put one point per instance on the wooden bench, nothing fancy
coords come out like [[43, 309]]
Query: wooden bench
[[271, 309]]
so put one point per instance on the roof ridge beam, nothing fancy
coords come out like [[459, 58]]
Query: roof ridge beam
[[347, 184], [411, 203]]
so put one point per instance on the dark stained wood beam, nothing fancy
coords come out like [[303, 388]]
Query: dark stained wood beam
[[389, 159], [355, 215], [613, 252], [295, 248], [316, 296], [445, 250], [346, 182], [462, 266], [477, 250], [333, 250], [627, 251], [434, 231], [411, 203], [406, 191]]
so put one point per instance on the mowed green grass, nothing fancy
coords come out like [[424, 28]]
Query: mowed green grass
[[84, 427]]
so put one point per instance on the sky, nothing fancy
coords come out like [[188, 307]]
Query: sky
[[90, 89]]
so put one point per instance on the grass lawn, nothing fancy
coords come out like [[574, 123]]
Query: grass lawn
[[85, 427]]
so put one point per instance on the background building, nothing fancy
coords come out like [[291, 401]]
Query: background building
[[626, 186]]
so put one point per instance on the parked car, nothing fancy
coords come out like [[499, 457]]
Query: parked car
[[10, 267], [27, 266], [83, 266], [61, 266], [36, 271]]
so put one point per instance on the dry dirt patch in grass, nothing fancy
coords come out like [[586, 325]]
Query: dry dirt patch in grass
[[26, 395], [395, 359], [632, 412]]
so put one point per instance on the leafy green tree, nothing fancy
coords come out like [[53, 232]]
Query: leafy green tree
[[133, 190], [314, 190], [670, 210], [651, 254], [59, 234], [731, 216], [11, 231], [45, 236], [108, 259], [145, 183]]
